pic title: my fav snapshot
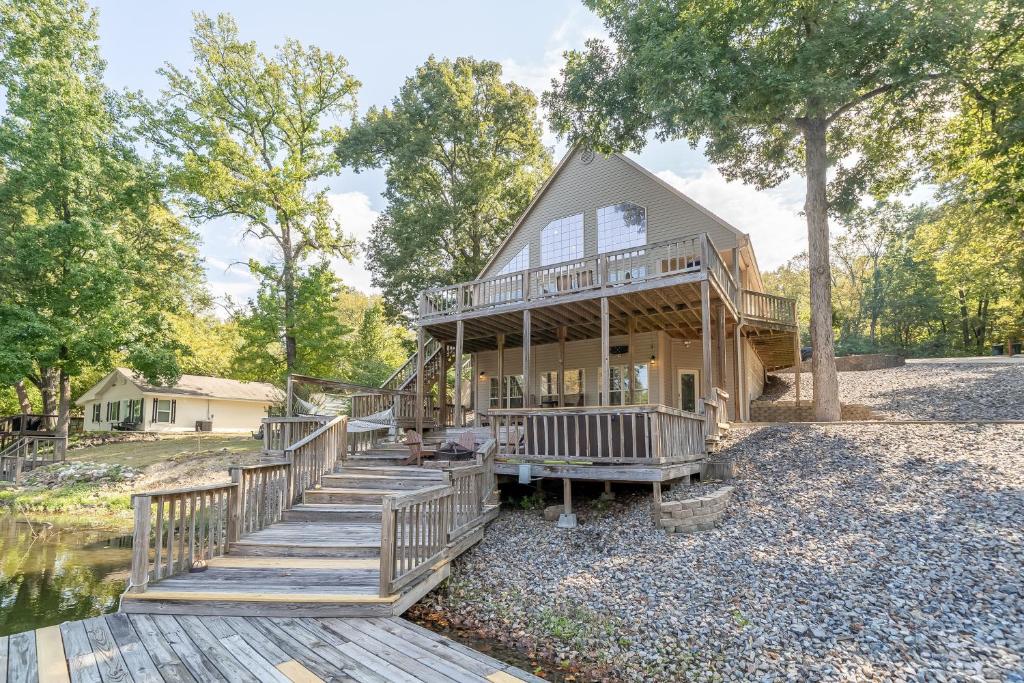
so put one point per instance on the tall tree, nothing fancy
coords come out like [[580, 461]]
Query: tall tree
[[777, 88], [464, 155], [90, 257], [251, 136]]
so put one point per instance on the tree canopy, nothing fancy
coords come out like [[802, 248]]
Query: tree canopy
[[463, 155]]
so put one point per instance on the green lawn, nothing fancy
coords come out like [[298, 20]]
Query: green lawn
[[140, 454]]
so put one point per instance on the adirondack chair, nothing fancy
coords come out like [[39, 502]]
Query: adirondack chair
[[415, 443]]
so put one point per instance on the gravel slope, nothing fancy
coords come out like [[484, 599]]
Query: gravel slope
[[931, 391], [849, 553]]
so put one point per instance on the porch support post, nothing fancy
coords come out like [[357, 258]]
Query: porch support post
[[561, 366], [459, 333], [796, 363], [656, 501], [527, 367], [629, 370], [567, 520], [442, 385], [605, 360], [705, 337], [421, 342], [721, 373], [474, 388], [737, 372], [608, 493], [502, 403]]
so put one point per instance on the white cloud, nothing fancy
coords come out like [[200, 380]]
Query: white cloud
[[771, 217], [356, 215], [578, 26]]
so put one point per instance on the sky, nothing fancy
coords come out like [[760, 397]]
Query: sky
[[384, 41]]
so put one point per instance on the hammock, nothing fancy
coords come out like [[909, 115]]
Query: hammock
[[385, 419]]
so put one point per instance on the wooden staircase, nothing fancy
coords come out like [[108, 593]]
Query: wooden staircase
[[320, 556]]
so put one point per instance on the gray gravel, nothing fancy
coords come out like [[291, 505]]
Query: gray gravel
[[936, 390], [864, 552]]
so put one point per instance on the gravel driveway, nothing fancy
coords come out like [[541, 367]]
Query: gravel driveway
[[933, 390], [849, 553]]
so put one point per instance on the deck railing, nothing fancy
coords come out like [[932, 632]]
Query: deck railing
[[175, 528], [613, 269], [419, 528], [29, 452], [281, 432], [768, 307], [607, 434], [400, 378]]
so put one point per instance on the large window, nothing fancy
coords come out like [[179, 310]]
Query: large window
[[621, 380], [163, 410], [520, 261], [96, 412], [621, 226], [572, 388], [113, 411], [511, 392], [133, 410], [562, 240]]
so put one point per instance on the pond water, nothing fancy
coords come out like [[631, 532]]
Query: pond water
[[54, 572]]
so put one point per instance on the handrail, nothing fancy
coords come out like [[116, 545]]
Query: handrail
[[769, 307]]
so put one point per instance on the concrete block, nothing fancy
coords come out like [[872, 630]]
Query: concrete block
[[566, 522], [671, 506]]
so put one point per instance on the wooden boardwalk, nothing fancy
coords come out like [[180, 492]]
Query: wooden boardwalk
[[151, 648]]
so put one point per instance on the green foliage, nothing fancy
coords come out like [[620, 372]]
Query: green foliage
[[91, 258], [246, 135], [464, 156], [208, 344]]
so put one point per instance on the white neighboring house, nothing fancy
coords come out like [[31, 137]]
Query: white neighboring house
[[123, 396]]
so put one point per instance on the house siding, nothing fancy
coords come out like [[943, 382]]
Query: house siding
[[580, 187]]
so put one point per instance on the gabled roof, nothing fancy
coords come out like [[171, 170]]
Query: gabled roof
[[633, 164], [195, 386]]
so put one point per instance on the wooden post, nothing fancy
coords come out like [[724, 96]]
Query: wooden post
[[234, 530], [567, 496], [796, 364], [140, 544], [605, 359], [474, 389], [705, 336], [459, 340], [561, 366], [720, 341], [502, 402], [387, 544], [442, 385], [527, 368], [656, 501], [421, 342], [630, 360], [737, 371]]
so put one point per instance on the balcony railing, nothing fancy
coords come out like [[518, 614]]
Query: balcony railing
[[768, 308], [614, 269]]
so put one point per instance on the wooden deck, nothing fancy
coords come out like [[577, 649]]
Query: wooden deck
[[151, 648]]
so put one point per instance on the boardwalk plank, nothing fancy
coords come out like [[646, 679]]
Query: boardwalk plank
[[52, 665], [252, 660], [296, 650], [218, 655], [108, 656], [136, 658], [21, 658], [252, 635], [350, 666], [190, 655], [297, 673], [78, 651], [392, 643], [167, 662]]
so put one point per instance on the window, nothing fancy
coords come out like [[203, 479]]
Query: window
[[621, 226], [520, 261], [573, 387], [562, 240], [133, 410], [688, 382], [113, 411], [163, 410], [621, 381], [512, 392], [96, 414]]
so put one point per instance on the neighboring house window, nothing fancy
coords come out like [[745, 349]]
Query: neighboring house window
[[621, 381], [164, 409], [621, 226], [512, 392], [562, 240], [133, 410], [96, 414], [520, 261], [113, 411]]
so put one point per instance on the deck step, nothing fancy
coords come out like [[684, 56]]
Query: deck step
[[348, 495], [360, 480], [312, 539], [401, 471], [326, 512]]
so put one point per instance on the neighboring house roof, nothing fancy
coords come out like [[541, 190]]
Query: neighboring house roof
[[558, 169], [195, 386]]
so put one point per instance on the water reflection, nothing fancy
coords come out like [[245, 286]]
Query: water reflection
[[54, 573]]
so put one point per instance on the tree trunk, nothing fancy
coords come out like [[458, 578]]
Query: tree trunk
[[823, 360], [965, 322], [63, 414], [23, 400], [48, 389]]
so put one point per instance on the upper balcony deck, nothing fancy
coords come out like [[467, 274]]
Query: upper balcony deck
[[693, 258]]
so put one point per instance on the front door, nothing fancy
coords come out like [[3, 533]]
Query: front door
[[686, 390]]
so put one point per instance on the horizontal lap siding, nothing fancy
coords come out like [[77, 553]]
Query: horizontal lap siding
[[583, 188]]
